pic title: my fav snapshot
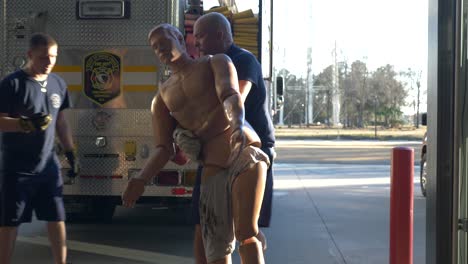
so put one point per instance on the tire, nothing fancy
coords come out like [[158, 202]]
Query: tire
[[75, 210], [96, 209], [103, 209], [423, 175], [183, 214]]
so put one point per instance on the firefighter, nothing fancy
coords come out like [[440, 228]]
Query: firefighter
[[213, 35], [32, 101], [201, 100]]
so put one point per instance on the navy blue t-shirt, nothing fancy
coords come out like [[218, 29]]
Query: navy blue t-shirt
[[21, 95], [256, 105]]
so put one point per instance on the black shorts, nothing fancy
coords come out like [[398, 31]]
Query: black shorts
[[267, 204], [23, 193]]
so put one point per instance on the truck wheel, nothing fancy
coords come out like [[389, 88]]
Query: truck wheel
[[183, 214], [75, 210], [423, 175], [103, 209], [72, 217]]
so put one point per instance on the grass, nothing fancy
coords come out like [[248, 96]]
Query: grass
[[319, 132]]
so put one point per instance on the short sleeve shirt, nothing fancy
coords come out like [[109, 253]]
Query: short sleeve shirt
[[21, 95], [256, 106]]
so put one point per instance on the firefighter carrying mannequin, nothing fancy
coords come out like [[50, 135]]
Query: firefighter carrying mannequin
[[202, 99]]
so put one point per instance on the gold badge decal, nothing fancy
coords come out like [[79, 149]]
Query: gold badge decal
[[102, 77]]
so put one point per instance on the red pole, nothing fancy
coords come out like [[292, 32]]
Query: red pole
[[401, 206]]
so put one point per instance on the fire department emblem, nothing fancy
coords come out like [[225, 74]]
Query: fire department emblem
[[102, 75], [55, 99]]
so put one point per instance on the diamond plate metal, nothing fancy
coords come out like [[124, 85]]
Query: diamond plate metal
[[2, 38], [70, 31], [120, 122], [63, 25], [76, 37], [106, 187], [122, 126], [113, 166]]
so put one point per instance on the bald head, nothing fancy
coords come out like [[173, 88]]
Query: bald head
[[217, 22], [213, 33]]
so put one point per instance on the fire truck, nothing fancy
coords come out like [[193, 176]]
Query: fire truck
[[112, 76]]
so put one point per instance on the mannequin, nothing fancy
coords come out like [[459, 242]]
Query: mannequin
[[202, 97]]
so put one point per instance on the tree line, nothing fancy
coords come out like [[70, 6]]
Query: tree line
[[365, 97]]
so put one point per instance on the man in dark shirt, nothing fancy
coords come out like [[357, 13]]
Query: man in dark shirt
[[213, 36], [31, 104]]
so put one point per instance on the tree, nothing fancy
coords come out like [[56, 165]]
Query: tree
[[412, 80], [323, 85], [366, 97], [390, 94], [359, 90], [345, 88]]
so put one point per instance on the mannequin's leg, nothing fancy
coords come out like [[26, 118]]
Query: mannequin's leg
[[247, 196]]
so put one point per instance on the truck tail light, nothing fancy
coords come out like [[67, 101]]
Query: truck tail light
[[179, 191]]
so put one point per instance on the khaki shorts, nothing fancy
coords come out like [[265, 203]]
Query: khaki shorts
[[215, 205]]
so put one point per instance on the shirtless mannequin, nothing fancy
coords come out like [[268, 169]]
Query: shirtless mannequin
[[202, 96]]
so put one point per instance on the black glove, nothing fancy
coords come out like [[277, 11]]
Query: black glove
[[74, 164], [36, 122]]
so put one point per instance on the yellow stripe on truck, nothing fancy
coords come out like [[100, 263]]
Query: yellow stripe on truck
[[126, 88], [140, 68], [140, 88], [65, 68], [141, 78], [74, 88], [72, 68]]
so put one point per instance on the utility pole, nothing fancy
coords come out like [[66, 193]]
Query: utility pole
[[281, 117], [310, 90], [345, 92], [329, 92], [310, 82], [375, 117], [418, 86], [281, 113], [335, 95]]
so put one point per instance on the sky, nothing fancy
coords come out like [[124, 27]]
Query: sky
[[378, 32], [383, 31]]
